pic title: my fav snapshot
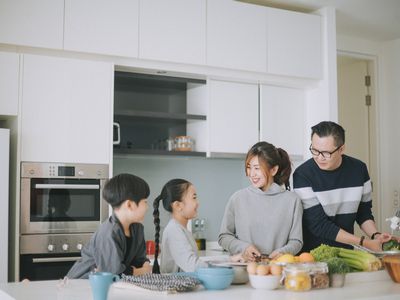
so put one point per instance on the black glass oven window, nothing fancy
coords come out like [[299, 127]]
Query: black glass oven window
[[65, 204]]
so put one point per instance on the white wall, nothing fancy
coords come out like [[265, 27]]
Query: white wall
[[387, 56]]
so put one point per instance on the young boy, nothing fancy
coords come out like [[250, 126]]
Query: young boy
[[118, 246]]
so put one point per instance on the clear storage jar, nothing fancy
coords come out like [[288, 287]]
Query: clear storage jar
[[319, 275], [297, 277], [184, 143]]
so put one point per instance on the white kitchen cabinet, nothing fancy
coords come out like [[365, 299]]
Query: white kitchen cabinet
[[236, 35], [282, 118], [36, 23], [9, 72], [66, 110], [102, 26], [233, 116], [294, 45], [173, 30]]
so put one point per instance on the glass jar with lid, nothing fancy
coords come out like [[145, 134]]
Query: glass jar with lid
[[297, 277], [319, 275], [184, 143]]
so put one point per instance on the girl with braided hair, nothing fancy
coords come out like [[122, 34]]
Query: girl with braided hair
[[265, 217], [179, 253]]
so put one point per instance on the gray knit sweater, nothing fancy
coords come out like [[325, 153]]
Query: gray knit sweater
[[178, 250], [269, 220]]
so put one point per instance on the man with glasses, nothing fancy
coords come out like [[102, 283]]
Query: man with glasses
[[335, 190]]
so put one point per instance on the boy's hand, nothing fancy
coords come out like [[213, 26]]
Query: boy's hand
[[146, 268]]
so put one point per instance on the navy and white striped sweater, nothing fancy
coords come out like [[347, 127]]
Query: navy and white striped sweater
[[332, 200]]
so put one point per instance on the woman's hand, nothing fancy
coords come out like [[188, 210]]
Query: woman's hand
[[275, 254], [146, 268], [383, 237], [251, 253], [237, 258]]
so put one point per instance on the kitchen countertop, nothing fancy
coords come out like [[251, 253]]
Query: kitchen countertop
[[374, 285]]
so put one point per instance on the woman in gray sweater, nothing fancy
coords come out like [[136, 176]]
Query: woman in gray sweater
[[264, 217]]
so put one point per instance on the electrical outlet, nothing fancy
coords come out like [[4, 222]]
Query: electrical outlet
[[396, 200]]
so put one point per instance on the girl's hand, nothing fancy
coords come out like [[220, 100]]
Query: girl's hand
[[146, 268], [251, 253]]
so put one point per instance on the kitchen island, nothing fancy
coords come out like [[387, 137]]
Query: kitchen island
[[374, 285]]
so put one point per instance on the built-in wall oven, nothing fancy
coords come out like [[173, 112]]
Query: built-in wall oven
[[61, 206]]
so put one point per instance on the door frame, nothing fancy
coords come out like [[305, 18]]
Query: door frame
[[374, 122]]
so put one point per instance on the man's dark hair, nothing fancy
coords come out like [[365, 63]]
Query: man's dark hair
[[328, 128]]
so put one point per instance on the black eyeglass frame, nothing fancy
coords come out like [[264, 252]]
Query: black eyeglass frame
[[325, 154]]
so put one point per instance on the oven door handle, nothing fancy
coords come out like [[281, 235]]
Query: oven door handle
[[54, 259], [68, 186]]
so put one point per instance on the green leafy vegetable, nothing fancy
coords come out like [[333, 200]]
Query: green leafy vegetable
[[391, 245], [324, 252], [337, 265]]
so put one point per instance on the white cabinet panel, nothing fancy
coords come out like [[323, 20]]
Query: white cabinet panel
[[294, 44], [9, 71], [66, 110], [37, 23], [233, 116], [173, 30], [102, 26], [236, 35], [282, 118]]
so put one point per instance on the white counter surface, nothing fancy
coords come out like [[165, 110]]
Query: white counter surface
[[366, 286]]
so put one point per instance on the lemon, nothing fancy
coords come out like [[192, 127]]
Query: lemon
[[286, 258]]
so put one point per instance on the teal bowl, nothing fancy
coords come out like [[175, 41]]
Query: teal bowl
[[215, 271], [216, 281]]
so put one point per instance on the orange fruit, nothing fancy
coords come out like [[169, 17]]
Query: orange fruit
[[306, 257]]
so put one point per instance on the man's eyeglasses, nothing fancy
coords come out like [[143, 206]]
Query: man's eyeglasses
[[325, 154]]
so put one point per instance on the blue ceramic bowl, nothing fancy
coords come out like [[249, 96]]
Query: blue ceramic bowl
[[215, 271], [215, 281]]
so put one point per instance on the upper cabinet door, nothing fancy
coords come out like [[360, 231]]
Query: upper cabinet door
[[66, 110], [236, 35], [233, 116], [173, 30], [102, 26], [36, 23], [282, 118], [9, 72], [294, 44]]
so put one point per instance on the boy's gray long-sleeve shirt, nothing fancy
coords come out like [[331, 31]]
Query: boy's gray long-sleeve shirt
[[107, 250], [178, 250], [270, 220]]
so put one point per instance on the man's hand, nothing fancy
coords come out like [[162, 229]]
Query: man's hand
[[374, 245]]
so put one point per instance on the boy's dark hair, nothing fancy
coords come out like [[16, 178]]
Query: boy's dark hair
[[123, 187], [269, 156], [173, 190], [328, 128]]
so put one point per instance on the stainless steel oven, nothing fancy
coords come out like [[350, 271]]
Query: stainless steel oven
[[61, 206]]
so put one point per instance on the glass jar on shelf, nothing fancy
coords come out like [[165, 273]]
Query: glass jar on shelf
[[184, 143]]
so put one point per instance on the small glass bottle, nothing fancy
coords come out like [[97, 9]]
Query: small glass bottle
[[297, 277]]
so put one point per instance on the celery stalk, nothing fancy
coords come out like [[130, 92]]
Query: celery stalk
[[360, 260]]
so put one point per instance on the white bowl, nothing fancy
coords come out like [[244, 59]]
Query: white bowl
[[266, 282]]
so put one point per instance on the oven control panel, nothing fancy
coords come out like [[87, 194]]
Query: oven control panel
[[53, 243]]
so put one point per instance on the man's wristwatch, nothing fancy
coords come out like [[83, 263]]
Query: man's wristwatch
[[374, 234]]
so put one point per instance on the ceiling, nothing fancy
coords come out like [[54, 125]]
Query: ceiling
[[376, 20]]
